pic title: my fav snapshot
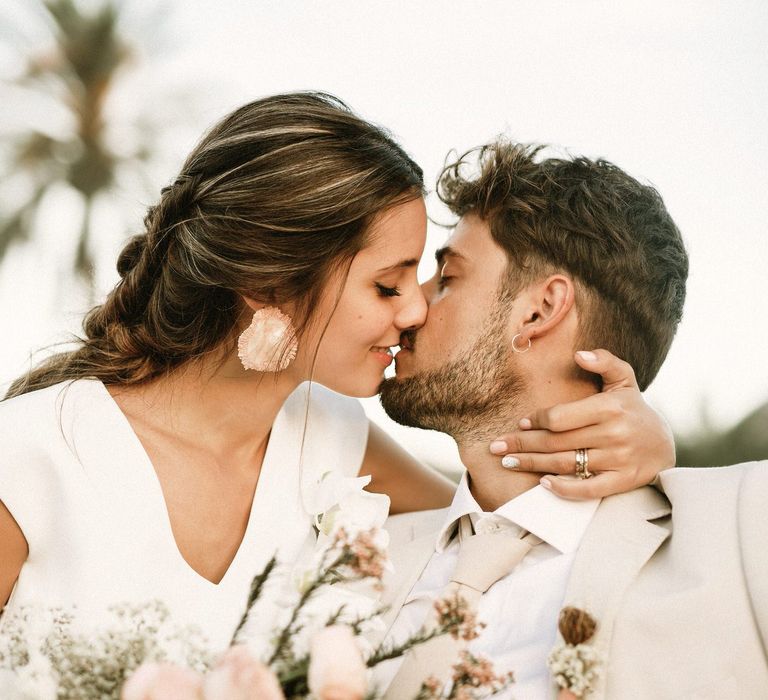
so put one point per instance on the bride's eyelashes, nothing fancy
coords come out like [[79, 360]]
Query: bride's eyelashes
[[387, 291]]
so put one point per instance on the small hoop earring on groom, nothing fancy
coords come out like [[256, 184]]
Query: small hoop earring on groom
[[269, 344], [517, 349]]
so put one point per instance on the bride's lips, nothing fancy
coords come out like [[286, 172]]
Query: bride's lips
[[383, 355]]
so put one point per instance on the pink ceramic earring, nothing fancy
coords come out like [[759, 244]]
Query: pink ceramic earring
[[269, 344]]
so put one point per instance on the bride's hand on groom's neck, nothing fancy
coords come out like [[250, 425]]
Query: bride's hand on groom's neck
[[628, 443]]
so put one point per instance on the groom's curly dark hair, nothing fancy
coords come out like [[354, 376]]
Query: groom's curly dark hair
[[590, 219]]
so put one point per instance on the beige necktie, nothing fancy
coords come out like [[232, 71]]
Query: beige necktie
[[483, 560]]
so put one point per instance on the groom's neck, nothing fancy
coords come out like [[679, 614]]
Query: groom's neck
[[491, 484]]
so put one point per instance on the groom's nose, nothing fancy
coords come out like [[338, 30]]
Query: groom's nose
[[413, 311]]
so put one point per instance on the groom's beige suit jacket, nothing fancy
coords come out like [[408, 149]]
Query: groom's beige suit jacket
[[677, 579]]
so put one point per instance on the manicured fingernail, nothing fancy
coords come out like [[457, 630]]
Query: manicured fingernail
[[510, 462], [587, 356], [546, 483], [525, 424], [498, 447]]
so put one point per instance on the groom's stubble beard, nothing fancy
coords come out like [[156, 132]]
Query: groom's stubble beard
[[470, 398]]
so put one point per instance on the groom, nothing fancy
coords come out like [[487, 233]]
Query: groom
[[551, 255]]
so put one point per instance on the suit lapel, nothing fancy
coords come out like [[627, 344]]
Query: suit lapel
[[753, 534], [618, 542], [409, 564], [409, 554]]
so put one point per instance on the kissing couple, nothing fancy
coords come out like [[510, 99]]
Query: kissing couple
[[168, 455]]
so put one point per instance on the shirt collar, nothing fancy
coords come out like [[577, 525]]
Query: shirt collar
[[558, 522], [463, 503]]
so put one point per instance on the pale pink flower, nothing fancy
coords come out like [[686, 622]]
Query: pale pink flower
[[455, 615], [565, 694], [162, 681], [432, 689], [336, 667], [367, 559], [477, 672], [239, 675]]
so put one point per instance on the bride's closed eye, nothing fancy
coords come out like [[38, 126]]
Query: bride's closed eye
[[387, 291]]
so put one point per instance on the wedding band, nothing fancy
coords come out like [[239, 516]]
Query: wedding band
[[582, 464]]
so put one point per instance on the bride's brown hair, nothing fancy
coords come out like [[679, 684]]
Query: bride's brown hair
[[274, 198]]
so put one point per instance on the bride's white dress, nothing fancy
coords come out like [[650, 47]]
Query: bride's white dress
[[82, 488]]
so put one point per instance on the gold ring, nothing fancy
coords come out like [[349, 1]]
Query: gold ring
[[582, 464]]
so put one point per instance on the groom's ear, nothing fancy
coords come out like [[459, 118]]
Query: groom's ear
[[549, 303]]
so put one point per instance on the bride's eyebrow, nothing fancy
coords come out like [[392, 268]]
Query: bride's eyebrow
[[402, 265]]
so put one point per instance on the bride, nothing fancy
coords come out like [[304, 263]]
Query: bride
[[166, 456]]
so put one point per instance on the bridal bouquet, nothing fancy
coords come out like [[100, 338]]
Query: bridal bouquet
[[315, 648]]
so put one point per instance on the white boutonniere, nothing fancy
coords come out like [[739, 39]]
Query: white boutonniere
[[574, 663]]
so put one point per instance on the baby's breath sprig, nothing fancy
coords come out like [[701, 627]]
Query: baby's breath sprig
[[74, 663], [574, 663]]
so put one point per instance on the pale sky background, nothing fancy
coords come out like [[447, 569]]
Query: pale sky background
[[674, 92]]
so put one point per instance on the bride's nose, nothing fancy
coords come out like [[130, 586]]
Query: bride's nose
[[413, 310]]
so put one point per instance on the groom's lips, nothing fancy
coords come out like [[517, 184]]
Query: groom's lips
[[406, 348], [406, 341]]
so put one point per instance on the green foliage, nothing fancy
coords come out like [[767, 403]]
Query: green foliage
[[745, 442]]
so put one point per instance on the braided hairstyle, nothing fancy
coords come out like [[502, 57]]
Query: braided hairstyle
[[271, 202]]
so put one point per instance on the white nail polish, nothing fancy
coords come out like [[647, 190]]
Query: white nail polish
[[510, 462]]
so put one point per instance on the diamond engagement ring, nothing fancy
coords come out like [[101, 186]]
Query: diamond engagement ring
[[582, 464]]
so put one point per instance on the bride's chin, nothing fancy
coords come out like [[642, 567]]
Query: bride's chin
[[359, 388], [371, 389]]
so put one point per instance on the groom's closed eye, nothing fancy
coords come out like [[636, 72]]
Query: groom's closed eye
[[442, 277], [446, 256]]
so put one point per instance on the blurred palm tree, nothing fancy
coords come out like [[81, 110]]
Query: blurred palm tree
[[87, 56]]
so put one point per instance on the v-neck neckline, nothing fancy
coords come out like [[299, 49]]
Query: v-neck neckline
[[154, 490]]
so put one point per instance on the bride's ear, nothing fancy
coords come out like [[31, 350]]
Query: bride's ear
[[252, 304], [550, 302]]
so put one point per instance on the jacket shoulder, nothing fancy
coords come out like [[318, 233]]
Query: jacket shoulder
[[715, 484]]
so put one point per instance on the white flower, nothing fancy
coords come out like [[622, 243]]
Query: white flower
[[360, 511], [338, 501], [335, 500]]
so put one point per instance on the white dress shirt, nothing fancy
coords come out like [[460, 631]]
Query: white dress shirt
[[520, 610]]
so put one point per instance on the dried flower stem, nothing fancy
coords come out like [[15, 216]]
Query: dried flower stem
[[257, 585]]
